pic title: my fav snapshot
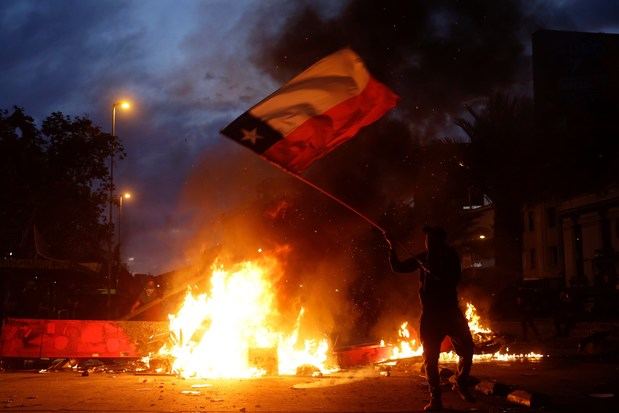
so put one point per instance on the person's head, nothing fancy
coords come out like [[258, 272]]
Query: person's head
[[436, 237], [149, 287]]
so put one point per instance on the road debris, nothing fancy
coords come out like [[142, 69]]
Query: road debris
[[525, 398], [191, 392], [308, 370], [492, 388]]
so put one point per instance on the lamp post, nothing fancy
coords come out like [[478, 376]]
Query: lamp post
[[123, 104]]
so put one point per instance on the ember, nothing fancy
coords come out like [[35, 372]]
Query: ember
[[213, 334]]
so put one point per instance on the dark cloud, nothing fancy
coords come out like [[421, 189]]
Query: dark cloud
[[590, 16], [59, 53], [439, 56], [435, 54]]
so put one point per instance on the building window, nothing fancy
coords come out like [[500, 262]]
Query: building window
[[553, 254], [531, 221], [551, 217], [532, 258]]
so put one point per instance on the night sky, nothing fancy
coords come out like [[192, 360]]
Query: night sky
[[189, 67]]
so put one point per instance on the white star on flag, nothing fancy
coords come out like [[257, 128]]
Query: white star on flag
[[251, 135]]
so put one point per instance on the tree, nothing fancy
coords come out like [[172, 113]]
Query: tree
[[56, 178], [506, 160]]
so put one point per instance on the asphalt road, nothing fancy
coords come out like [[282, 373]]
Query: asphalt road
[[568, 384]]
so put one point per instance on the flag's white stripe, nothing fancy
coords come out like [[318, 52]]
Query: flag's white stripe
[[327, 83]]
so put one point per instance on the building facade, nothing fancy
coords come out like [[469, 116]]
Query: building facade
[[575, 236], [576, 239]]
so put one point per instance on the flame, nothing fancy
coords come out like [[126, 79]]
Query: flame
[[213, 334], [407, 347], [474, 321], [313, 353]]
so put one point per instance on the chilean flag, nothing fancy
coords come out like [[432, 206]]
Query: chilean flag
[[313, 113]]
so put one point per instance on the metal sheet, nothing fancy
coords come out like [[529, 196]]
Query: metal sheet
[[32, 338]]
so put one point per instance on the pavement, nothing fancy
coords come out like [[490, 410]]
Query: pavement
[[570, 385], [569, 380]]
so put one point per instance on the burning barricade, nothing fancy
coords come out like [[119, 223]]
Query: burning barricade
[[235, 330], [489, 346]]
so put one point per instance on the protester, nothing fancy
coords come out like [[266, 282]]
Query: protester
[[440, 273], [146, 300], [526, 310], [564, 314]]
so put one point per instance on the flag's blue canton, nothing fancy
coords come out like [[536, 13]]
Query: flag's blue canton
[[252, 132]]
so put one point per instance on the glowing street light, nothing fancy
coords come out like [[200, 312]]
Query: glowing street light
[[482, 237]]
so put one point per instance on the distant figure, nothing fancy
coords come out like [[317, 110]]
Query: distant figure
[[526, 310], [604, 272], [439, 276], [147, 297], [564, 314], [605, 281]]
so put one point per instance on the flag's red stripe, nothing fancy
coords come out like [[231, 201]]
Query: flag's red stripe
[[322, 133]]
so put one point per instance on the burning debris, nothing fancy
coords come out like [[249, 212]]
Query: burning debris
[[235, 330], [483, 337]]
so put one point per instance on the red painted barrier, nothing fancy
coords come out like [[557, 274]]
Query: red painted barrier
[[362, 355], [31, 338], [373, 353]]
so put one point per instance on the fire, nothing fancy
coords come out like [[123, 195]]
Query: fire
[[313, 353], [474, 321], [407, 347], [214, 334]]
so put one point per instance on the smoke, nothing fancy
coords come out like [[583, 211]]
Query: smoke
[[437, 55], [333, 264], [247, 209]]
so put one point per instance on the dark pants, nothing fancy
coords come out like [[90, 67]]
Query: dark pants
[[435, 325]]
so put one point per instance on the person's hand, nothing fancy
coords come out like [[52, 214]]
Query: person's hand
[[388, 241]]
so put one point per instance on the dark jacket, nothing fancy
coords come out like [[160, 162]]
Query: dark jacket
[[440, 274]]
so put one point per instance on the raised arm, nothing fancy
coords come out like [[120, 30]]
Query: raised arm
[[408, 265], [135, 306]]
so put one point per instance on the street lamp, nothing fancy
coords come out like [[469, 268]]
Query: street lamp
[[122, 104]]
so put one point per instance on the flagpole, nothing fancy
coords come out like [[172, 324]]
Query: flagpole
[[332, 197], [359, 214], [337, 200], [350, 208]]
